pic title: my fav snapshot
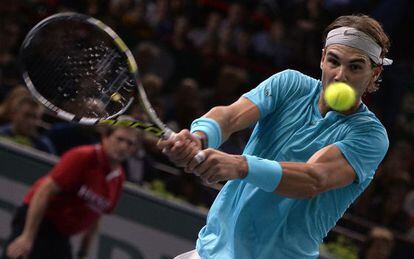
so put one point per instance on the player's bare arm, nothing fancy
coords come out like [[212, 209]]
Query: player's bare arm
[[235, 117], [327, 169], [232, 118]]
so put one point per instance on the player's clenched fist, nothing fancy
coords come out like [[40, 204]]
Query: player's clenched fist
[[181, 147], [218, 166]]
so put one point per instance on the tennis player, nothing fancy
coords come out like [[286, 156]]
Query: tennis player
[[304, 163], [85, 184]]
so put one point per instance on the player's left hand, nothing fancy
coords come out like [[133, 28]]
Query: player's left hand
[[218, 166]]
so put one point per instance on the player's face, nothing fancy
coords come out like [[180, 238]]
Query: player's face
[[341, 63], [121, 144]]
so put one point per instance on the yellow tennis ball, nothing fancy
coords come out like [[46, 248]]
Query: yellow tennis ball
[[340, 96], [116, 97]]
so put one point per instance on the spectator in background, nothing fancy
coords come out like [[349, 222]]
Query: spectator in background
[[181, 50], [231, 82], [273, 45], [379, 244], [25, 117], [230, 29], [391, 209], [146, 53], [87, 183], [65, 136], [244, 49], [236, 17], [201, 36], [309, 20], [225, 44], [153, 86], [409, 210], [9, 72], [134, 25], [10, 101], [207, 41], [383, 202], [186, 102]]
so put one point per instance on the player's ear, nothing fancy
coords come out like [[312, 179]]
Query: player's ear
[[322, 58], [377, 72]]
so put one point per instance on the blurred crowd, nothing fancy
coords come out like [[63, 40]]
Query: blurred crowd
[[193, 55]]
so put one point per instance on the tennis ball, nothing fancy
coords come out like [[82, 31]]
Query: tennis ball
[[116, 97], [340, 96]]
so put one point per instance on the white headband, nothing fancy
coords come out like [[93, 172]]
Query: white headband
[[357, 39]]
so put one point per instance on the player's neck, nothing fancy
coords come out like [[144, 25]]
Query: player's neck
[[324, 108]]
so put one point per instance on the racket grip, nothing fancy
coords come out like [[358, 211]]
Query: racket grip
[[168, 133]]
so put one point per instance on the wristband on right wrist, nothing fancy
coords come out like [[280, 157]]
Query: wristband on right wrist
[[263, 173]]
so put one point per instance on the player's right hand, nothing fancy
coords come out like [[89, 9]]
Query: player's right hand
[[20, 247], [180, 148]]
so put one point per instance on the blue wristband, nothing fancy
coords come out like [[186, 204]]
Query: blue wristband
[[210, 128], [265, 174]]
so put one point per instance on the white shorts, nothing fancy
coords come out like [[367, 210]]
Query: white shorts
[[188, 255]]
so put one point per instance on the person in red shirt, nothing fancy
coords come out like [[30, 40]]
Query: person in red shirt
[[70, 199]]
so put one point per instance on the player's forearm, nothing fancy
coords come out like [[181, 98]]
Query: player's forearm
[[37, 208], [301, 180], [234, 117]]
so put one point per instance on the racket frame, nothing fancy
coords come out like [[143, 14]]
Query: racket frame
[[157, 127]]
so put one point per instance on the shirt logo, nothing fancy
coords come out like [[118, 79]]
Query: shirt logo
[[94, 201]]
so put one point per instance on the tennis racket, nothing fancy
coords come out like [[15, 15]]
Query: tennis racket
[[83, 72]]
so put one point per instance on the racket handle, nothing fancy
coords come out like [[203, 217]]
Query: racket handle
[[168, 133]]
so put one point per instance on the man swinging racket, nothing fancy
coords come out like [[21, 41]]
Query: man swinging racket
[[304, 164]]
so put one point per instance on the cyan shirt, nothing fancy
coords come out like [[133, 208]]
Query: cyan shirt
[[246, 222]]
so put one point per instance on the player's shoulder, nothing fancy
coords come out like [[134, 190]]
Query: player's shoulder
[[295, 83], [294, 74], [367, 120], [296, 78]]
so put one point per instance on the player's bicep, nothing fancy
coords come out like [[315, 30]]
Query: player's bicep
[[235, 117], [243, 114], [334, 168]]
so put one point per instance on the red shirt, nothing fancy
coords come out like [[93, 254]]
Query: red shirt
[[88, 189]]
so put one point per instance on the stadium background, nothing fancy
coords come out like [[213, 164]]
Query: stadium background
[[197, 54]]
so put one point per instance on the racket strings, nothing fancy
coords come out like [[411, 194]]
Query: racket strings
[[77, 67]]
